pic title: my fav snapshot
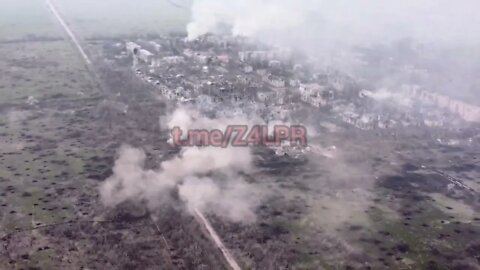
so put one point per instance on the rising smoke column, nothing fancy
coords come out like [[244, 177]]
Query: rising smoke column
[[343, 34], [344, 22], [249, 18], [205, 178]]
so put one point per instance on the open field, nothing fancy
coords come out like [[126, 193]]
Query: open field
[[92, 18], [23, 18], [43, 83], [41, 70]]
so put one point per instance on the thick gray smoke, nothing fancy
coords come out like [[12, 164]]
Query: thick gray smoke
[[432, 43], [207, 178]]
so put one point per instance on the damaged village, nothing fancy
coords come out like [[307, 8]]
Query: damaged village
[[389, 177]]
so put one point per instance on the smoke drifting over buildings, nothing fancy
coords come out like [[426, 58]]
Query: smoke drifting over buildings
[[245, 18], [383, 46], [345, 22], [430, 42]]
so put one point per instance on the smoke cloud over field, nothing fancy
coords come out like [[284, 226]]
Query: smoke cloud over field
[[208, 179]]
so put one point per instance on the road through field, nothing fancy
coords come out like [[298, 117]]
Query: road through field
[[200, 217]]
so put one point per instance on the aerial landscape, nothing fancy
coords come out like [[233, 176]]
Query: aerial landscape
[[244, 134]]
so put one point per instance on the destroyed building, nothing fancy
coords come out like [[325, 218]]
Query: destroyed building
[[215, 70]]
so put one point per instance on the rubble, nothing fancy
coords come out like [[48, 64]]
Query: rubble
[[224, 73]]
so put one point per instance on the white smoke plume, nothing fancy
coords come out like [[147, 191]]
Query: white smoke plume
[[354, 36], [339, 21], [246, 18], [207, 178]]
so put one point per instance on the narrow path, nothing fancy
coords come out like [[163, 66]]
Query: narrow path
[[68, 31], [216, 239], [200, 217]]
